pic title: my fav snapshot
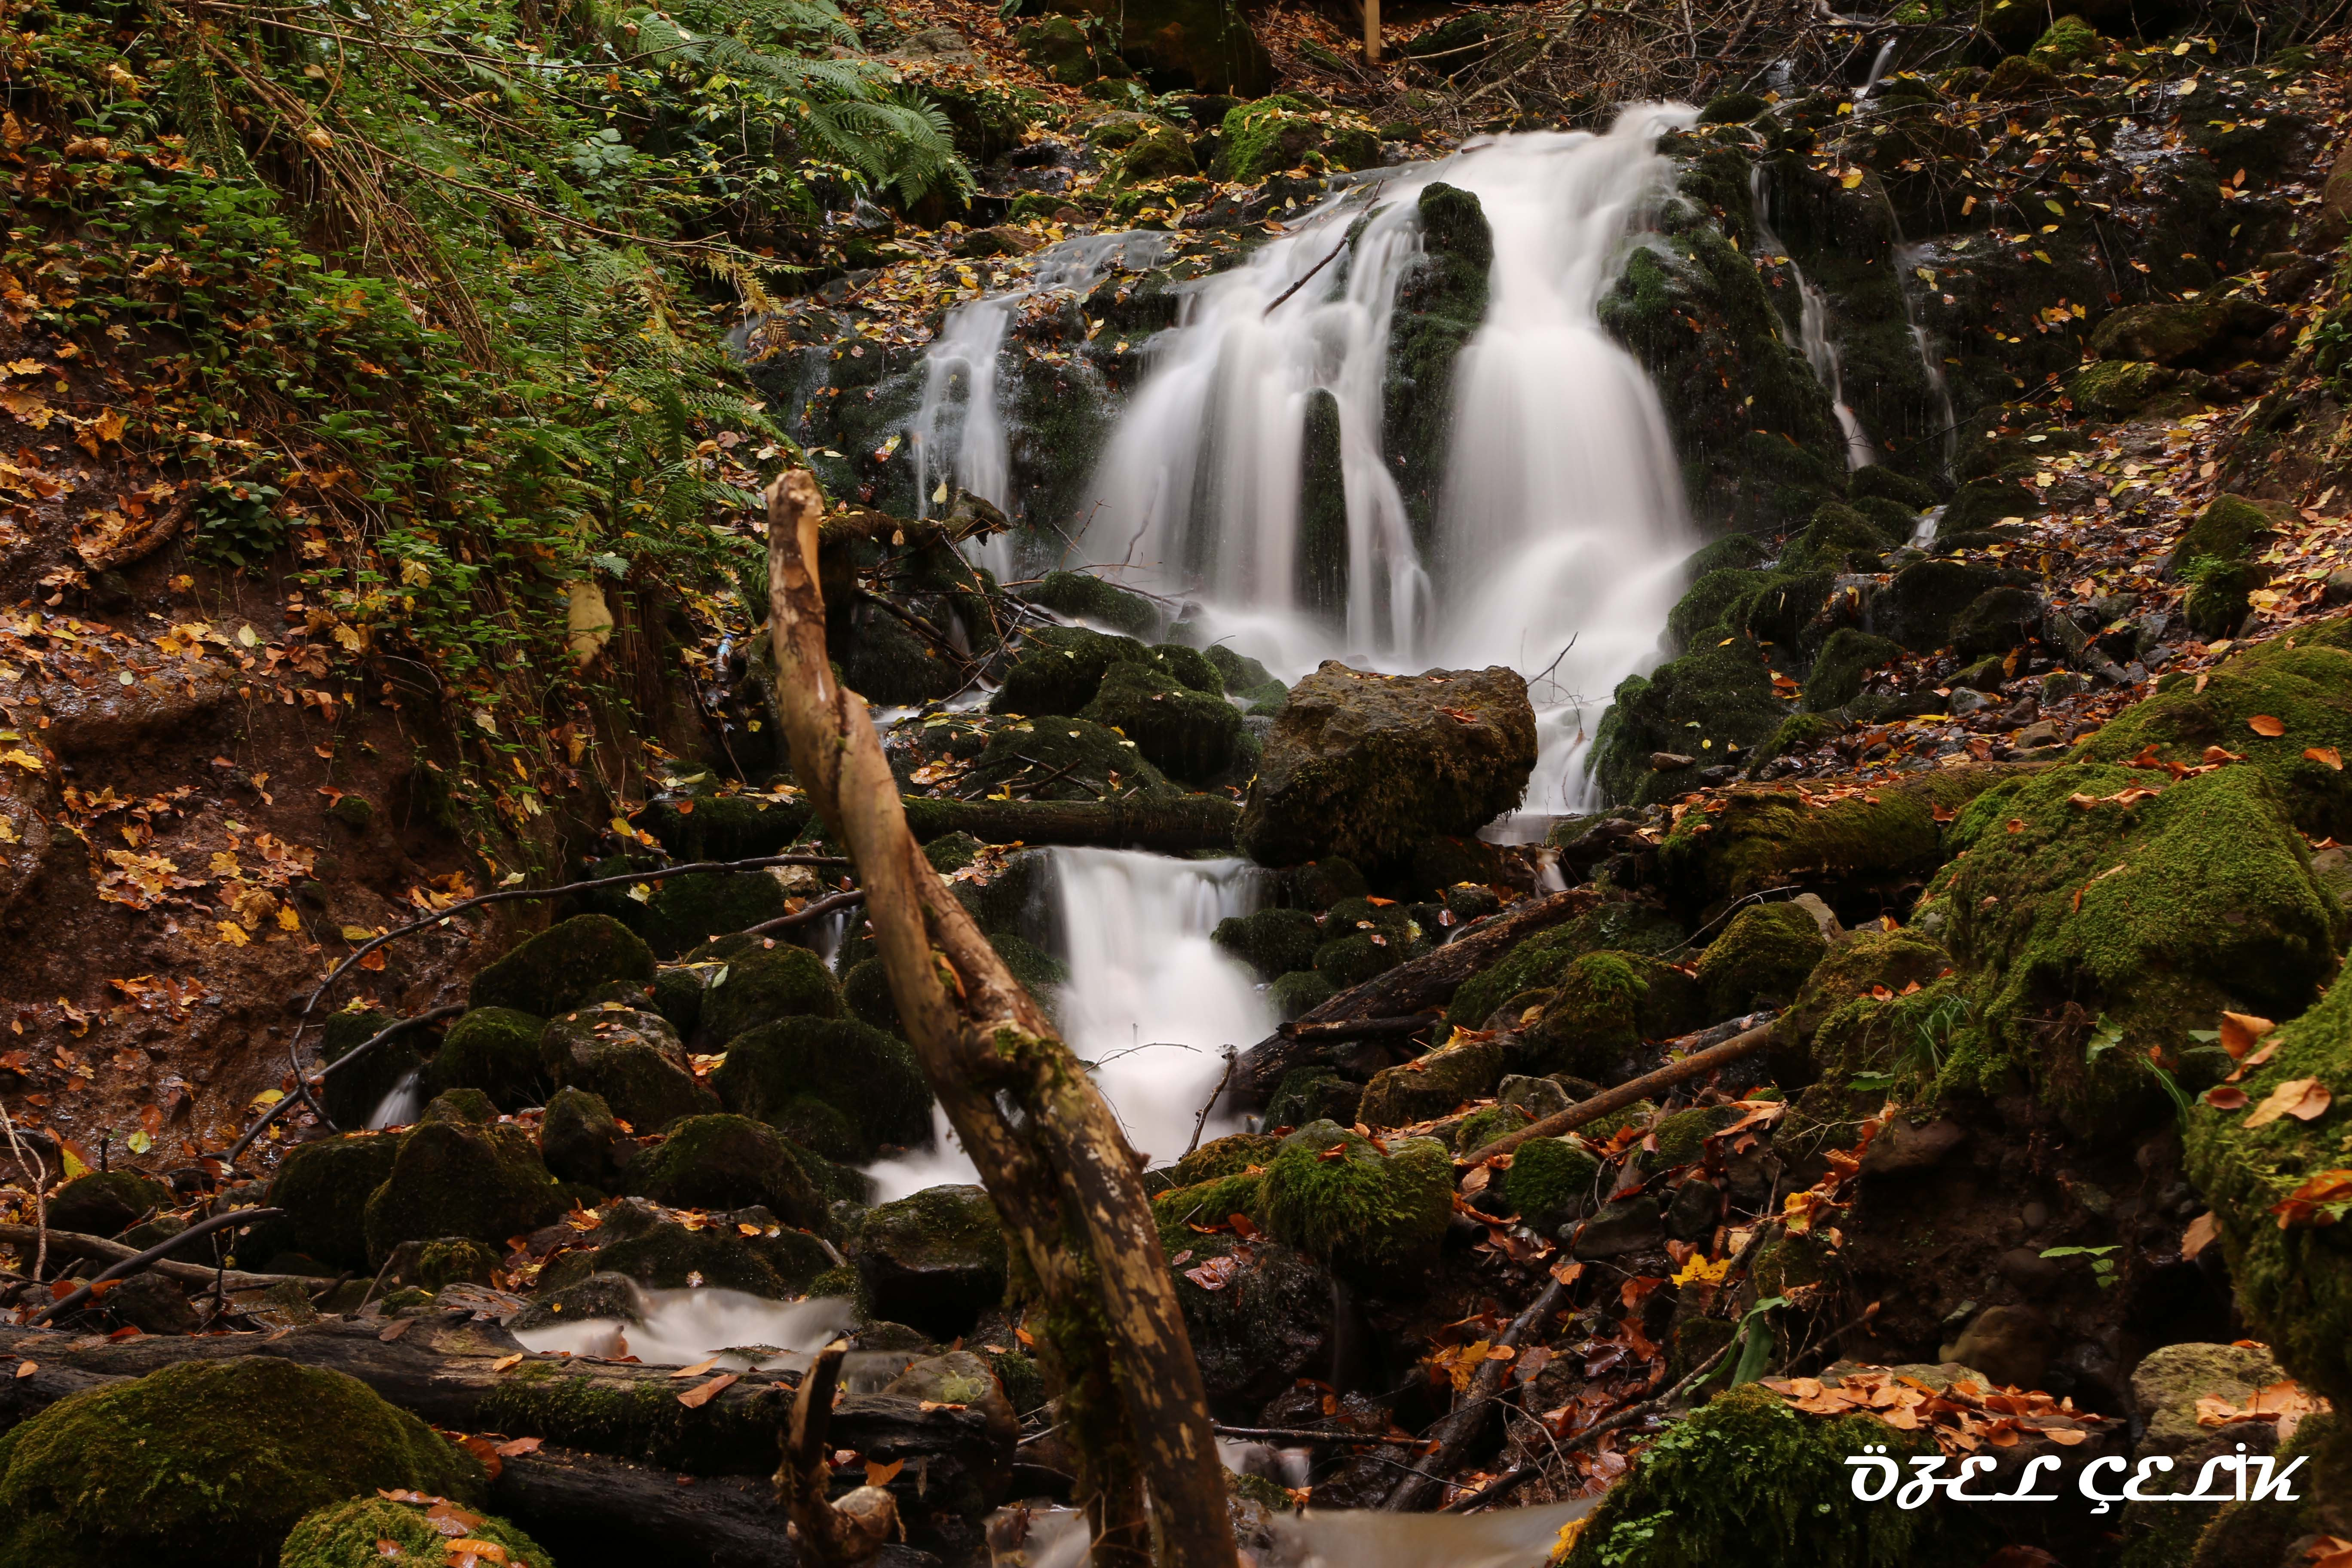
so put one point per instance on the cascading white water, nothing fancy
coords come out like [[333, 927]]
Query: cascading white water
[[960, 434], [1878, 65], [1813, 338], [400, 1102], [1906, 262], [1152, 1000], [1562, 527]]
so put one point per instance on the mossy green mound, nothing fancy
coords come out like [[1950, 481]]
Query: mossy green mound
[[1716, 701], [870, 1077], [1061, 668], [632, 1060], [1062, 758], [1188, 734], [1282, 131], [1592, 1021], [687, 912], [208, 1465], [1364, 1212], [935, 1260], [354, 1534], [1845, 661], [1761, 959], [324, 1188], [564, 965], [1081, 597], [1538, 962], [1431, 1086], [727, 1162], [494, 1050], [763, 985], [1550, 1182], [1807, 1042], [104, 1203], [1271, 941], [461, 1178], [2151, 911]]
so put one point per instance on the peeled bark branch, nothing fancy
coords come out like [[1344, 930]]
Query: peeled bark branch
[[111, 1252], [1061, 1175], [154, 1254], [1698, 1065]]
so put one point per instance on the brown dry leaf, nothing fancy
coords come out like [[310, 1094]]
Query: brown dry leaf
[[2329, 754], [2263, 724], [2240, 1030], [2330, 1552], [2226, 1097], [881, 1475], [2305, 1099], [2200, 1234], [396, 1329], [28, 1368], [2065, 1436], [695, 1398], [697, 1369], [515, 1448]]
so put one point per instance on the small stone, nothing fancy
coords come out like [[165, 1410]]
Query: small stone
[[1629, 1224], [2338, 589], [1967, 701], [1669, 761], [2037, 736], [2035, 1214]]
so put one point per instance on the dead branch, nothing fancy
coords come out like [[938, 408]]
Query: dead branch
[[1698, 1065], [139, 1260]]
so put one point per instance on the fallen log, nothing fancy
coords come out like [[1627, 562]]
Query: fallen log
[[1171, 824], [455, 1373], [149, 1258], [1696, 1065], [99, 1249], [1429, 981]]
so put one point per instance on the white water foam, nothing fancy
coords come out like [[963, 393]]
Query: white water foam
[[682, 1327]]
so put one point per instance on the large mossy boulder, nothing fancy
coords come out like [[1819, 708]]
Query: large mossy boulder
[[764, 986], [494, 1050], [2096, 892], [355, 1534], [1282, 131], [1716, 701], [1080, 598], [2304, 681], [632, 1060], [1261, 1320], [1920, 603], [1372, 766], [324, 1188], [208, 1465], [1693, 1497], [1440, 306], [1188, 734], [1552, 1182], [1431, 1086], [1539, 963], [1197, 46], [791, 1073], [934, 1261], [2277, 1198], [563, 966], [726, 1161], [1362, 1213], [458, 1175], [354, 1092], [106, 1202], [1271, 941], [1845, 662], [1761, 959], [1061, 759], [1854, 971], [581, 1140], [1060, 669], [661, 1252], [1593, 1022], [687, 912]]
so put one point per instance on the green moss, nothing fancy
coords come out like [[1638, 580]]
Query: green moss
[[1060, 669], [687, 912], [1698, 613], [1210, 1203], [1188, 734], [1790, 1263], [2117, 388], [1682, 1136], [1838, 539], [354, 1092], [1704, 703], [2221, 596], [2305, 681], [1731, 550], [455, 1178], [1228, 1156], [1761, 958], [563, 966], [1877, 482], [1161, 152], [632, 1060], [1838, 670], [1299, 992], [1550, 1182], [668, 1255], [1693, 1500], [324, 1188], [1439, 308], [869, 1077], [1271, 941], [1539, 963], [2069, 41], [105, 1203], [1366, 1212], [725, 827], [935, 1260], [1732, 109], [1315, 1094], [1433, 1085], [1284, 131], [351, 1535], [2227, 530], [764, 986], [727, 1162], [206, 1465], [1061, 759], [1603, 1006], [496, 1051], [1868, 959], [642, 1420], [2162, 332], [1797, 732], [1481, 1127], [1082, 597], [2158, 914], [865, 992], [453, 1258]]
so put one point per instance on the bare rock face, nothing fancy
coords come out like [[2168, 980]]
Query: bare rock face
[[1371, 767]]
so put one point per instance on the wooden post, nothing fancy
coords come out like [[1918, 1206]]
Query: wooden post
[[1371, 32], [1064, 1181]]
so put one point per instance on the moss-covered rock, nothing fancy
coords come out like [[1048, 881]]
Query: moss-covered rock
[[494, 1050], [1715, 700], [1161, 152], [1996, 621], [564, 965], [687, 912], [580, 1141], [2162, 332], [1315, 1094], [866, 993], [208, 1465], [106, 1202], [726, 1161], [353, 1535], [1550, 1183], [2291, 1272], [1062, 758], [1188, 734], [1685, 1503], [1283, 131], [1869, 960], [1271, 941], [455, 1177], [1919, 604], [1299, 992], [1430, 1086], [324, 1188], [2227, 530], [2221, 596], [1760, 960], [1061, 668], [1839, 539], [2149, 906], [1539, 963], [764, 986], [662, 1253], [1846, 658], [1439, 306], [1369, 766], [870, 1077], [935, 1260], [2305, 681], [1365, 1213], [1605, 1004], [354, 1092], [2117, 388], [1082, 597], [632, 1060]]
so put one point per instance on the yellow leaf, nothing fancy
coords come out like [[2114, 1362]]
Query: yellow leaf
[[1698, 1269], [23, 759], [357, 933], [287, 919], [266, 1099], [232, 933], [1853, 178]]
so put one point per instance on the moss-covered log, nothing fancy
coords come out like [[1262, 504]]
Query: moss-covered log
[[1171, 824]]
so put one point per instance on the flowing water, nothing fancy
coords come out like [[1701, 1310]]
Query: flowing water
[[1152, 1000], [678, 1327], [1350, 1538], [1813, 339], [1558, 540], [400, 1102]]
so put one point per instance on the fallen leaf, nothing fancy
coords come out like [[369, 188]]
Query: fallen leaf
[[396, 1329], [28, 1368], [695, 1398], [2240, 1031], [2226, 1097], [2329, 754], [2263, 724], [697, 1369], [517, 1447], [2305, 1099], [2200, 1234], [505, 1361], [881, 1475]]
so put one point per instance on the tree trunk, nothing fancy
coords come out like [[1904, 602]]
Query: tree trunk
[[1371, 32], [1427, 982], [1173, 824], [1063, 1177]]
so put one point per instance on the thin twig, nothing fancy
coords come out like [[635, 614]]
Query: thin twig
[[1232, 1058], [1309, 1435], [137, 1261], [38, 1172]]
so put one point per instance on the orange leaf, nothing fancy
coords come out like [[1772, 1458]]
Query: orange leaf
[[518, 1447], [695, 1398], [881, 1475], [2305, 1099], [2329, 754], [697, 1369], [505, 1361], [2226, 1097], [2263, 724], [2240, 1030]]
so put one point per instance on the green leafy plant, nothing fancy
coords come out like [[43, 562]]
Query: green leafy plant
[[2103, 1268]]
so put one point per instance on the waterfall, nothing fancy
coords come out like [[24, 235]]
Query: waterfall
[[1558, 537], [959, 434], [1134, 929], [1886, 56], [1907, 267], [400, 1102], [1813, 338]]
